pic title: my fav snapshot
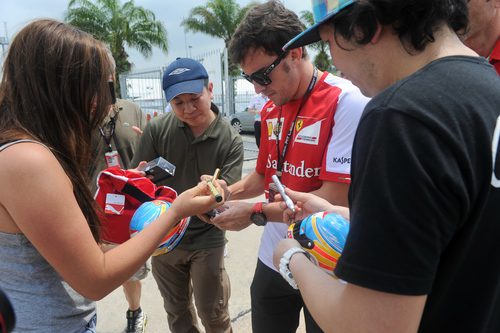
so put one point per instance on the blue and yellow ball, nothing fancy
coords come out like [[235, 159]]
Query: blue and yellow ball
[[150, 211]]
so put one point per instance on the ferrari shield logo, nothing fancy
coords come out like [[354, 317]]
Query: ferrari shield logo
[[298, 125], [269, 129]]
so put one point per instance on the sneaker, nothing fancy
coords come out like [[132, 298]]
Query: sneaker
[[137, 323]]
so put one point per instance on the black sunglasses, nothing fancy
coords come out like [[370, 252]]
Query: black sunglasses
[[262, 75], [112, 91]]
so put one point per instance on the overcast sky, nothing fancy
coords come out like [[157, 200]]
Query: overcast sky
[[14, 14]]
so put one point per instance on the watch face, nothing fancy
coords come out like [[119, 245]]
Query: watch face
[[258, 219]]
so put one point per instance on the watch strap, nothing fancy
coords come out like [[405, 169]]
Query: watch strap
[[258, 208], [284, 268], [257, 216]]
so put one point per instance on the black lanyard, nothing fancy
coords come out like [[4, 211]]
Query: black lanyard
[[281, 157]]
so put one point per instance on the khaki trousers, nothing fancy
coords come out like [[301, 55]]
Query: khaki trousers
[[180, 274]]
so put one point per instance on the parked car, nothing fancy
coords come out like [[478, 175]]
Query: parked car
[[242, 121]]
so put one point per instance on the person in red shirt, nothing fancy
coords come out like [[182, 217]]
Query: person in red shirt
[[308, 126], [483, 34], [495, 57]]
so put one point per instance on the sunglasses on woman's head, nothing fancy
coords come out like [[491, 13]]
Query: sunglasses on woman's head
[[112, 91], [261, 76]]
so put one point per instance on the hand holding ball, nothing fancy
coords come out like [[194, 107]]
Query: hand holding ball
[[322, 235]]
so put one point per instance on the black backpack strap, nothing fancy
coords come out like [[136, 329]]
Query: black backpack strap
[[136, 193]]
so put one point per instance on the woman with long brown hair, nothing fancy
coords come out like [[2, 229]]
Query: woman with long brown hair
[[53, 94]]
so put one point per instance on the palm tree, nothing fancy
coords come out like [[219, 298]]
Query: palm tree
[[118, 26], [218, 18], [322, 60]]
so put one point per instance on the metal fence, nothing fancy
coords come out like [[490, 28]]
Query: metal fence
[[145, 87]]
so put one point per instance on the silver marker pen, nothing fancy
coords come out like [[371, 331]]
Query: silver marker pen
[[281, 189]]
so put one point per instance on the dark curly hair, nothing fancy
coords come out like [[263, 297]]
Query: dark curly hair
[[415, 21], [268, 26]]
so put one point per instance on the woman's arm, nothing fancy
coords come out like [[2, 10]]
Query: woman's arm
[[38, 196]]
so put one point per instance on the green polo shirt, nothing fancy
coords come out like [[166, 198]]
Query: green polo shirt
[[218, 147]]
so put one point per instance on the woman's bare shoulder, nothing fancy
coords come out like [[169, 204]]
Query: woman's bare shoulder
[[28, 161], [26, 155]]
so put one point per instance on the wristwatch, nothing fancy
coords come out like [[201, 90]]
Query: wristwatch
[[285, 261], [258, 217]]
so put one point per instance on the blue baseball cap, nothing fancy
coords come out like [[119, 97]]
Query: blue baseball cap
[[323, 10], [184, 76]]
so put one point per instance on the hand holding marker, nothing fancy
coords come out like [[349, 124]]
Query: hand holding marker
[[281, 189], [212, 188]]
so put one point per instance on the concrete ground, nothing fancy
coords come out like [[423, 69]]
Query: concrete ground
[[240, 265]]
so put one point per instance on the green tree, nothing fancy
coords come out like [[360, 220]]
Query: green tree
[[219, 19], [119, 25], [322, 59]]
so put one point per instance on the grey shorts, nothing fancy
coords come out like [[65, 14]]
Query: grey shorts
[[141, 274]]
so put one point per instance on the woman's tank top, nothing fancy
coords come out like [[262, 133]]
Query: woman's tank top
[[42, 301]]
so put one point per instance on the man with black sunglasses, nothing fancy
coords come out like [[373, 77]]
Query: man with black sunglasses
[[308, 126], [261, 76]]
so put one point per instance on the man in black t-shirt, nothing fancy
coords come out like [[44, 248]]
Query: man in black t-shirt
[[422, 252]]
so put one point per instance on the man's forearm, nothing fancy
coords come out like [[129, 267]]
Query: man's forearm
[[336, 193], [250, 186]]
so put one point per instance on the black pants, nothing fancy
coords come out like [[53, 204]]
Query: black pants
[[275, 305], [257, 130]]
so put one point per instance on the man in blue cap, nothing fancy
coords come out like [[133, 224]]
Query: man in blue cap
[[197, 140], [422, 250]]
